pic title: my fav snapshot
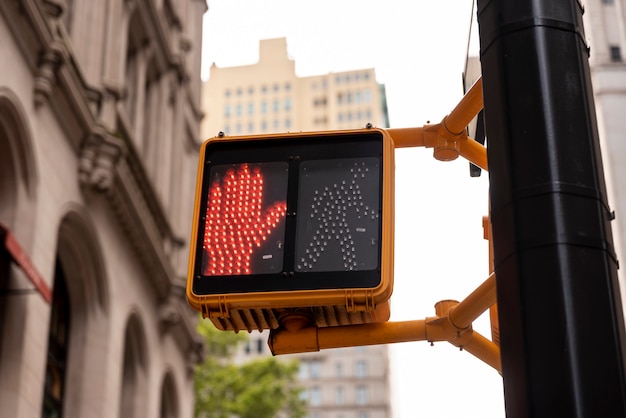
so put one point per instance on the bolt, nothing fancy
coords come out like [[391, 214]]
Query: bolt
[[368, 125], [221, 134]]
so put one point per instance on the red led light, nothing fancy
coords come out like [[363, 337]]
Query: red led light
[[236, 223]]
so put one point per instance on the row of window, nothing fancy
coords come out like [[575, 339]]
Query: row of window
[[344, 78], [357, 97], [349, 77], [312, 369], [239, 91], [357, 116], [313, 396], [250, 108], [264, 126]]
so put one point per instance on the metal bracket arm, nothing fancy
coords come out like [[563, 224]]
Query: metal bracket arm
[[449, 137], [452, 324]]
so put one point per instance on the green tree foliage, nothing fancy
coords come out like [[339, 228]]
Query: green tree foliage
[[258, 389]]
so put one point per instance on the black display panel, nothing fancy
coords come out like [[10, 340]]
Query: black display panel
[[339, 215]]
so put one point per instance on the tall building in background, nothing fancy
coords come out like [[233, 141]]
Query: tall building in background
[[269, 97], [99, 122], [605, 30]]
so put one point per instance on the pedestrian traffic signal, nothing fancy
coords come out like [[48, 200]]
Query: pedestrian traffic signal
[[297, 221]]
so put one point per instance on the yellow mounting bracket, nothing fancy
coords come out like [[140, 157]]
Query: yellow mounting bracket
[[452, 323], [449, 137]]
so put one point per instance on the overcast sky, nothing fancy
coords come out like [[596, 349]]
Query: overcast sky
[[418, 50]]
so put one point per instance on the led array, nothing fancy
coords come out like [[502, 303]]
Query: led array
[[235, 221], [338, 214]]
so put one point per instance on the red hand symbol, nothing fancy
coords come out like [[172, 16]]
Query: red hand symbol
[[235, 224]]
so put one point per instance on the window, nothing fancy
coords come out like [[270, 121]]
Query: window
[[303, 371], [276, 87], [239, 91], [339, 396], [362, 415], [367, 96], [287, 86], [58, 342], [238, 109], [227, 93], [276, 106], [259, 345], [263, 107], [339, 370], [250, 90], [227, 111], [288, 103], [287, 123], [250, 109], [316, 368], [320, 101], [361, 368], [315, 396], [250, 127], [361, 395], [616, 54]]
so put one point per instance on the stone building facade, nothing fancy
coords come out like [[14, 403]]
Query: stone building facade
[[99, 123]]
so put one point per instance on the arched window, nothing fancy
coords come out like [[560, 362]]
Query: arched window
[[133, 385], [58, 342], [169, 398]]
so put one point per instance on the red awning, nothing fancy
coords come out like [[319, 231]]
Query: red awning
[[19, 256]]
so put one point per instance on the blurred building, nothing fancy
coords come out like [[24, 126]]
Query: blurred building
[[269, 97], [605, 32], [99, 122]]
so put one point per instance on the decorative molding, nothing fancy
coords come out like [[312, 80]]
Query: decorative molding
[[54, 8], [49, 63], [98, 155]]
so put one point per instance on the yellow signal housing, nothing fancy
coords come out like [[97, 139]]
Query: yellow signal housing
[[293, 224]]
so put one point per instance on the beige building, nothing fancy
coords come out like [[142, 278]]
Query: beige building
[[605, 30], [99, 122], [269, 97]]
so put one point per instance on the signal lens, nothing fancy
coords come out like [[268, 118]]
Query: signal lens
[[244, 229]]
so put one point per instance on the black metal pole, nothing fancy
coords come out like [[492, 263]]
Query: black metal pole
[[560, 314]]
